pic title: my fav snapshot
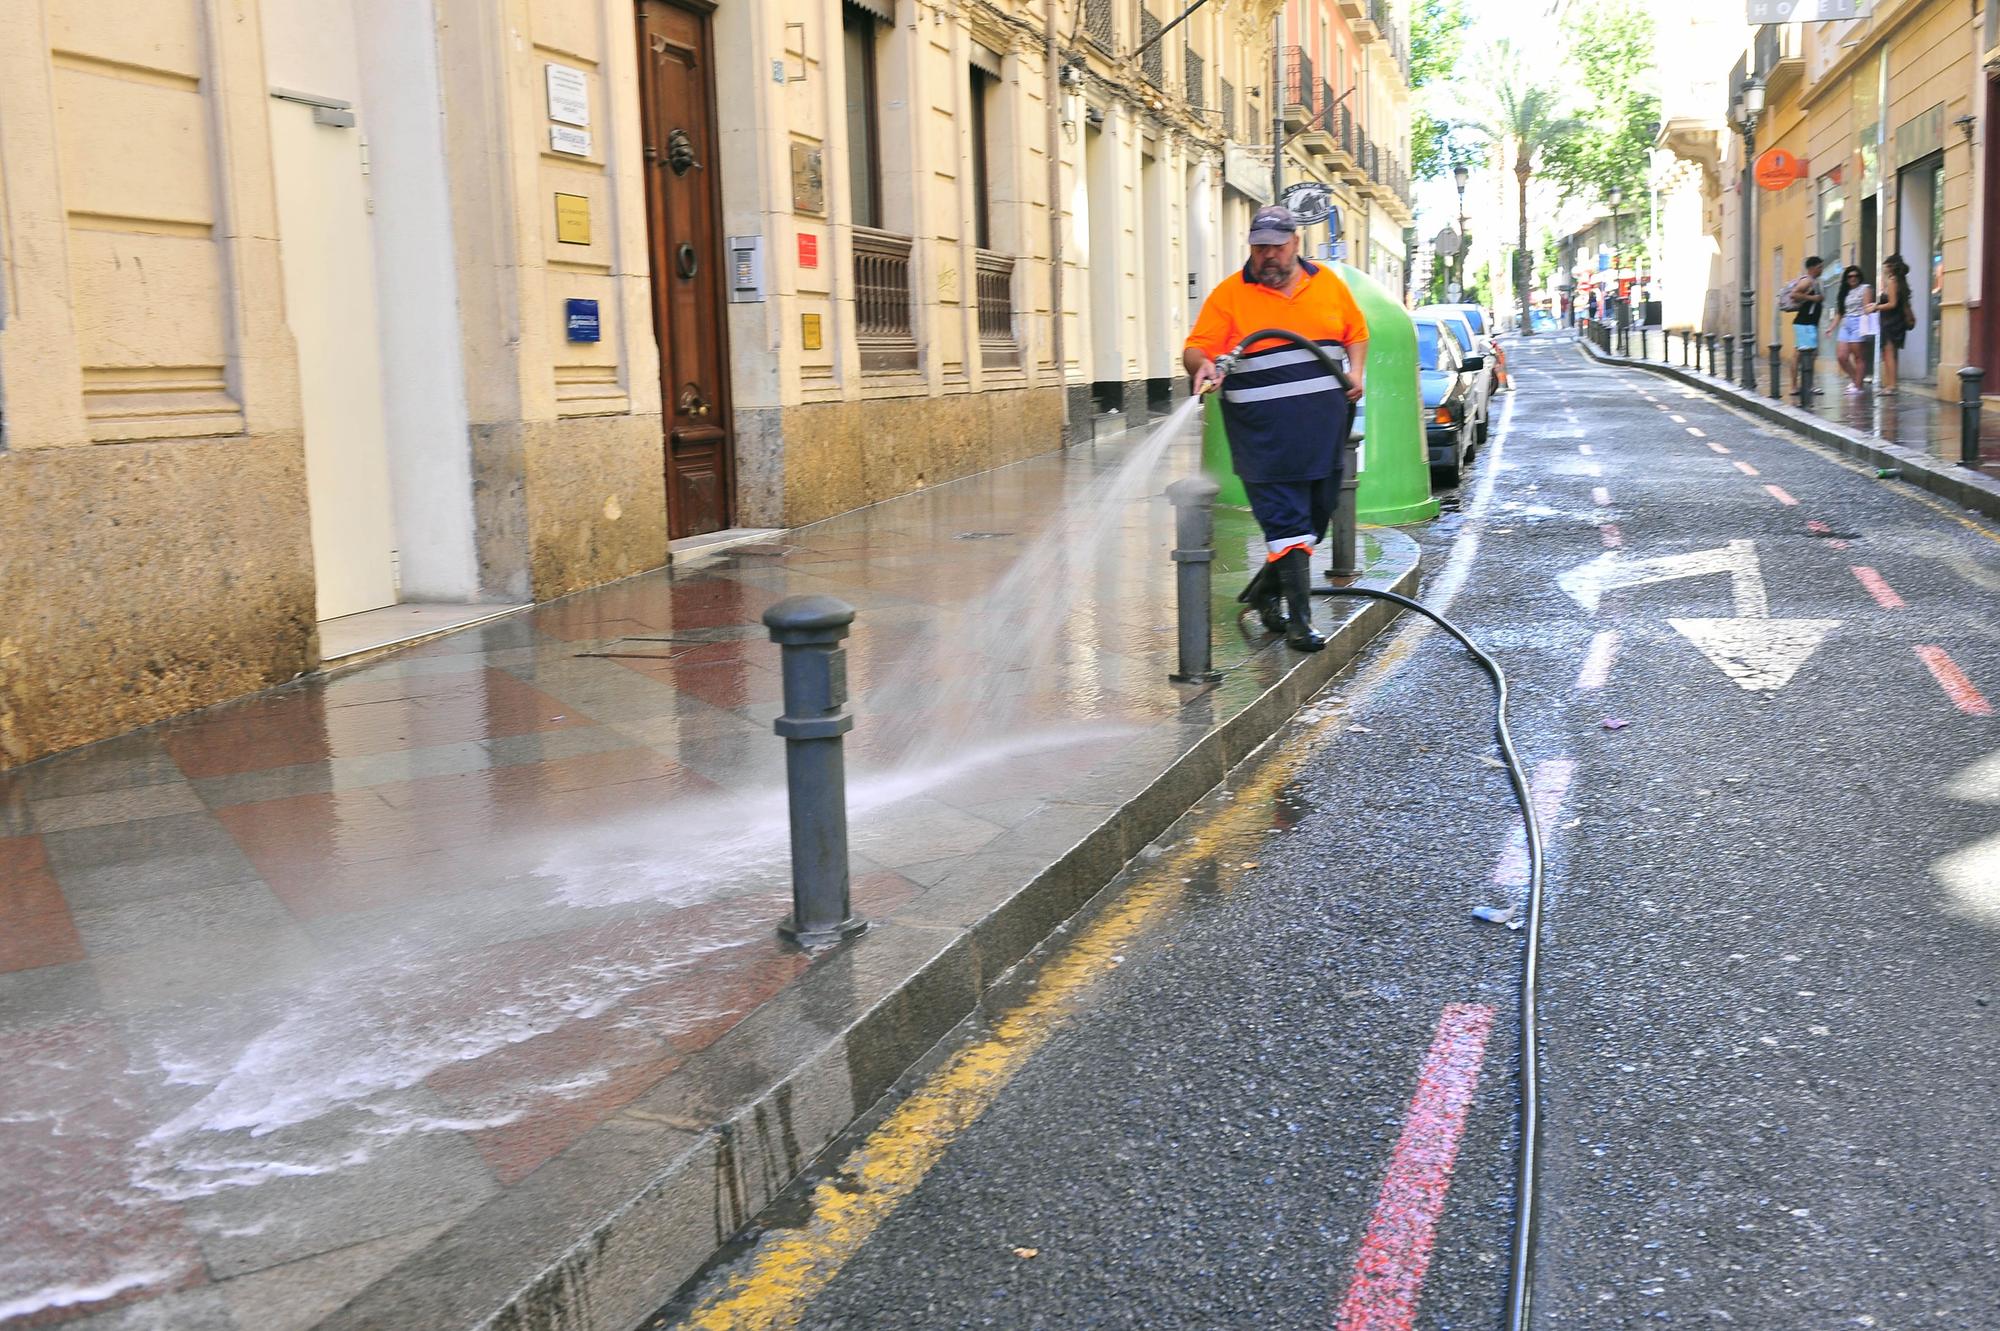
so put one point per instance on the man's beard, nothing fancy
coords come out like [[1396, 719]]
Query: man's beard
[[1275, 272]]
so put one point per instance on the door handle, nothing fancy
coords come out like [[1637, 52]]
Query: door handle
[[692, 403], [684, 259]]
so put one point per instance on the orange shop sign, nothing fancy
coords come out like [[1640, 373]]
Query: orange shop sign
[[1779, 168]]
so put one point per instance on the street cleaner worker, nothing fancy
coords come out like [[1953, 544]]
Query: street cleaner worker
[[1287, 417]]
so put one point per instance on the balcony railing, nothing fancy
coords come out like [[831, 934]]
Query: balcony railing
[[1097, 22], [1154, 63], [882, 319], [1299, 78], [994, 283]]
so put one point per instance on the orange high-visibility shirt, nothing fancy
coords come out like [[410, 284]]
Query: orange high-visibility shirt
[[1285, 415]]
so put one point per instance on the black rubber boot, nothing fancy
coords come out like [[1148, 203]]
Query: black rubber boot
[[1294, 569], [1266, 597]]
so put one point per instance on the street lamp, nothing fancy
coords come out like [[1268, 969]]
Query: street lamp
[[1746, 111], [1615, 197], [1461, 176]]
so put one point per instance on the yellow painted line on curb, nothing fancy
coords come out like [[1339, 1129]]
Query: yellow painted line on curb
[[784, 1274]]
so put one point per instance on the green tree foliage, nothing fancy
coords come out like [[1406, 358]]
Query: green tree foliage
[[1609, 51], [1437, 38], [1521, 112]]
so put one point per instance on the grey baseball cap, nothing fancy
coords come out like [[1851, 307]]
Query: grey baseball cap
[[1273, 226]]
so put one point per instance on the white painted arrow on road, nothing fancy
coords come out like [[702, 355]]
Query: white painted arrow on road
[[1587, 583], [1759, 654]]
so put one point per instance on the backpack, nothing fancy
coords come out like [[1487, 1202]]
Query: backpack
[[1791, 300]]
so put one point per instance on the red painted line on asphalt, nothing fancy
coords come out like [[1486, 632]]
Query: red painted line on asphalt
[[1953, 681], [1597, 662], [1608, 532], [1745, 468], [1600, 496], [1396, 1251], [1885, 595], [1548, 788], [1778, 493], [1823, 530], [1717, 447]]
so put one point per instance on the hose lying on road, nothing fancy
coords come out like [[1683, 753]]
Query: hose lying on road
[[1521, 1271]]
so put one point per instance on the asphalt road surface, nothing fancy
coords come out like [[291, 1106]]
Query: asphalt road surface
[[1277, 1087]]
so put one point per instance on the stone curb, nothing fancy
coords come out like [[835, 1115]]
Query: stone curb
[[604, 1234], [1961, 485]]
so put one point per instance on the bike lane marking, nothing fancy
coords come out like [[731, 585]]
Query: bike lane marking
[[1878, 587], [1745, 468], [1596, 668], [1395, 1251], [1953, 681], [1778, 493]]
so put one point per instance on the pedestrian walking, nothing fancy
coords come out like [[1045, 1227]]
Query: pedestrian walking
[[1892, 307], [1286, 416], [1851, 302], [1804, 298]]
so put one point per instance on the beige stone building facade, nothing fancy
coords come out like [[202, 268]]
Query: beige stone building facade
[[317, 310]]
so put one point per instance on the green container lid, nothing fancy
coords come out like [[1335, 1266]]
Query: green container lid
[[1395, 464]]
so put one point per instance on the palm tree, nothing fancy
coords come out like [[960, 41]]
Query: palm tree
[[1521, 114]]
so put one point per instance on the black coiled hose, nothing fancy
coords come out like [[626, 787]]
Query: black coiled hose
[[1522, 1267], [1521, 1272]]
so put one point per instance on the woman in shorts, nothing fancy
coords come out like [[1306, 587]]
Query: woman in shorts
[[1851, 301], [1892, 305]]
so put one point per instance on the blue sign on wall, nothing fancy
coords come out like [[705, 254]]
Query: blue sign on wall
[[583, 321]]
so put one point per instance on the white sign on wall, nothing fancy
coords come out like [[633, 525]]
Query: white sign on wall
[[575, 142], [1808, 11], [569, 95]]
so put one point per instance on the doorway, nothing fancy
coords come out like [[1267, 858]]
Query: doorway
[[1920, 240], [1104, 258], [684, 234], [328, 261]]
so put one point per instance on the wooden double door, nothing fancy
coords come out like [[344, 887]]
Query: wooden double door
[[684, 224]]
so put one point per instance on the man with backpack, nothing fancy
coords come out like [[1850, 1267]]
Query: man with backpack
[[1803, 300]]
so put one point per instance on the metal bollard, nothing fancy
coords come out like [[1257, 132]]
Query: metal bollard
[[1969, 393], [1808, 375], [1193, 498], [1346, 537], [1776, 390], [1644, 354], [1729, 357], [1688, 358], [809, 629], [1710, 339]]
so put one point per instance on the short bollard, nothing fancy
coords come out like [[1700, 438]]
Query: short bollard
[[1729, 357], [809, 629], [1688, 356], [1643, 355], [1710, 339], [1777, 391], [1346, 537], [1193, 498], [1969, 377], [1808, 375]]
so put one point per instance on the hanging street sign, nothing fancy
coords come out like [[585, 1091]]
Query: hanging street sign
[[1310, 201]]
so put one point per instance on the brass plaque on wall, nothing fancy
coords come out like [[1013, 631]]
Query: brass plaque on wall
[[809, 331], [572, 219], [808, 179]]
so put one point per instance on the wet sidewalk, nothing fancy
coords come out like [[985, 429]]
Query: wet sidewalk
[[1919, 415], [450, 983]]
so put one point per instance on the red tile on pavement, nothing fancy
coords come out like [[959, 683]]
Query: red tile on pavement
[[313, 725], [35, 926], [557, 1086], [81, 1236]]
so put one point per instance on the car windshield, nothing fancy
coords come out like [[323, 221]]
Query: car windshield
[[1427, 346]]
